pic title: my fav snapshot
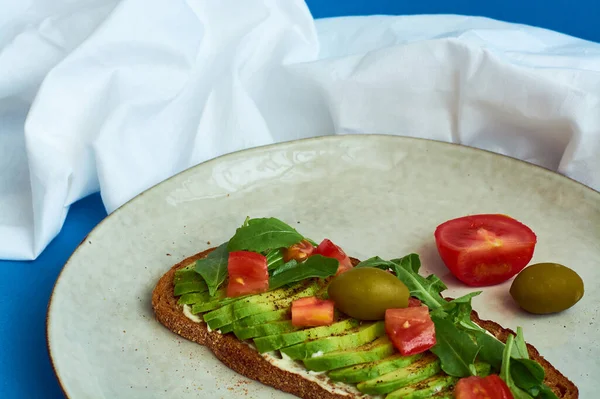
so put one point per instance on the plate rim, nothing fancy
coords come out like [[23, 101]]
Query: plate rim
[[332, 137]]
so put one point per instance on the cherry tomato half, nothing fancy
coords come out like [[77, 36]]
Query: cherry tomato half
[[485, 250]]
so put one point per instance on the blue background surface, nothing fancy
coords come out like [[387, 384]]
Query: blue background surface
[[25, 287]]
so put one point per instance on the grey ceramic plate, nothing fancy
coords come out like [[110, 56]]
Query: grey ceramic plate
[[373, 195]]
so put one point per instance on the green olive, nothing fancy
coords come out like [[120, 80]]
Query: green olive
[[547, 288], [366, 292]]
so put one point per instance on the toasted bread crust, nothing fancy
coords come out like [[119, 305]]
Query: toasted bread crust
[[242, 359]]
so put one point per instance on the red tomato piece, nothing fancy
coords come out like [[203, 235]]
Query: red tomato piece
[[307, 300], [329, 249], [248, 273], [414, 302], [490, 387], [312, 312], [483, 250], [411, 329], [299, 251]]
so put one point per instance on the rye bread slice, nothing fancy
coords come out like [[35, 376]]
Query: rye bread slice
[[246, 361]]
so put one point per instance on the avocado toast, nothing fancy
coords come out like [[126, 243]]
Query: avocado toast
[[252, 329]]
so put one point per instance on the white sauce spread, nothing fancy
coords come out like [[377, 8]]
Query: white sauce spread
[[288, 364], [284, 362], [187, 311]]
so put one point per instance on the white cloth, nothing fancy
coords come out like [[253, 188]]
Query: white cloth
[[125, 94]]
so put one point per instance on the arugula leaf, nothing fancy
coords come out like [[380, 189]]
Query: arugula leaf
[[466, 298], [274, 258], [314, 266], [213, 268], [459, 310], [262, 234], [411, 261], [456, 350], [505, 373], [520, 345], [426, 289], [528, 375], [491, 349], [286, 266], [378, 263]]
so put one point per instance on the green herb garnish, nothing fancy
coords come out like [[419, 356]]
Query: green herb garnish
[[259, 235], [274, 259], [314, 266], [213, 268], [456, 350]]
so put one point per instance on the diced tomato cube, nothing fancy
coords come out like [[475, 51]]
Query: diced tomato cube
[[308, 300], [312, 312], [330, 250], [410, 329], [490, 387], [248, 273]]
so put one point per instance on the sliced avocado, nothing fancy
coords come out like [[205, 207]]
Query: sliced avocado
[[425, 388], [364, 334], [380, 348], [225, 315], [273, 342], [449, 394], [189, 286], [254, 320], [187, 274], [193, 297], [433, 385], [277, 327], [226, 329], [256, 304], [274, 295], [427, 366], [249, 300], [367, 371], [212, 305], [290, 295]]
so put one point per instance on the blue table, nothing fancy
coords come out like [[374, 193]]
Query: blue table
[[25, 287]]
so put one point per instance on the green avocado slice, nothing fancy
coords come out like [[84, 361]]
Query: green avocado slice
[[245, 301], [187, 274], [273, 342], [260, 318], [193, 297], [433, 385], [226, 329], [380, 348], [277, 327], [365, 333], [187, 287], [427, 366], [202, 307], [425, 388], [258, 304], [367, 371]]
